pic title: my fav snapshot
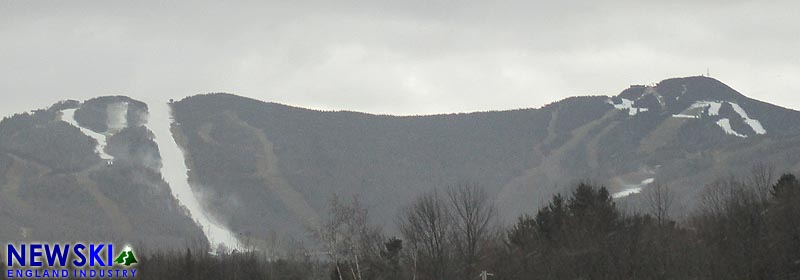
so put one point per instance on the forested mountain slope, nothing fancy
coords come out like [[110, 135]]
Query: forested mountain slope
[[89, 172], [270, 167]]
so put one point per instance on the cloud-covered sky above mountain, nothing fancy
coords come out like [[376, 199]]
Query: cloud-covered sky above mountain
[[394, 57]]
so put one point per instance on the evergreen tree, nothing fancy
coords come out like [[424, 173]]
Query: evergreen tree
[[787, 187], [391, 257], [784, 227]]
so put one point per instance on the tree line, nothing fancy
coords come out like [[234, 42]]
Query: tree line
[[747, 228]]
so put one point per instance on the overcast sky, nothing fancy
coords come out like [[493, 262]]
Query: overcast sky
[[394, 57]]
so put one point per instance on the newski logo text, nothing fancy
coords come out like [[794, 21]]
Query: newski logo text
[[78, 260]]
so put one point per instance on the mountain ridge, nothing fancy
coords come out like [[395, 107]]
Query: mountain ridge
[[265, 169], [583, 136], [623, 93]]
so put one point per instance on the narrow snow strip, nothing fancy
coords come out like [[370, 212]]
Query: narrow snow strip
[[632, 189], [683, 92], [68, 115], [754, 124], [175, 173], [660, 99], [725, 124], [626, 192], [684, 116], [739, 110]]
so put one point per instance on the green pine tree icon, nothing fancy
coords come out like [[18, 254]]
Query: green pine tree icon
[[126, 258]]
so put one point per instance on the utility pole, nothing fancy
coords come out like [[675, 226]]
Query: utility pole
[[485, 275]]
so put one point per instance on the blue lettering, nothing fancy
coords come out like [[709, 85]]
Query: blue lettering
[[110, 252], [56, 254], [12, 252], [94, 254], [78, 250], [36, 253]]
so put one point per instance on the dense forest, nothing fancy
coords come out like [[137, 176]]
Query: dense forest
[[747, 228], [266, 167]]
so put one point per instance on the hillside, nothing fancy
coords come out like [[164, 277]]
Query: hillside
[[264, 170], [269, 167], [88, 171]]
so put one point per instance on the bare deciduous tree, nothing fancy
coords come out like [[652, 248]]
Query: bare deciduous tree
[[762, 177], [473, 215], [426, 224], [716, 197], [659, 198], [347, 235]]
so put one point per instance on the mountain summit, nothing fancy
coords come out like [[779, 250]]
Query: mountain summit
[[700, 98], [680, 91]]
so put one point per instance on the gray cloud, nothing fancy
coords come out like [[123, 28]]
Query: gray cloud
[[397, 57]]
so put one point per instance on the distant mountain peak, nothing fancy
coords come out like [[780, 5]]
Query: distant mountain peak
[[696, 97], [681, 90], [674, 95]]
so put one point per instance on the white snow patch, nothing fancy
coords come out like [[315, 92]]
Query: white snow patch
[[68, 115], [713, 110], [754, 124], [632, 189], [725, 124], [175, 173], [627, 105]]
